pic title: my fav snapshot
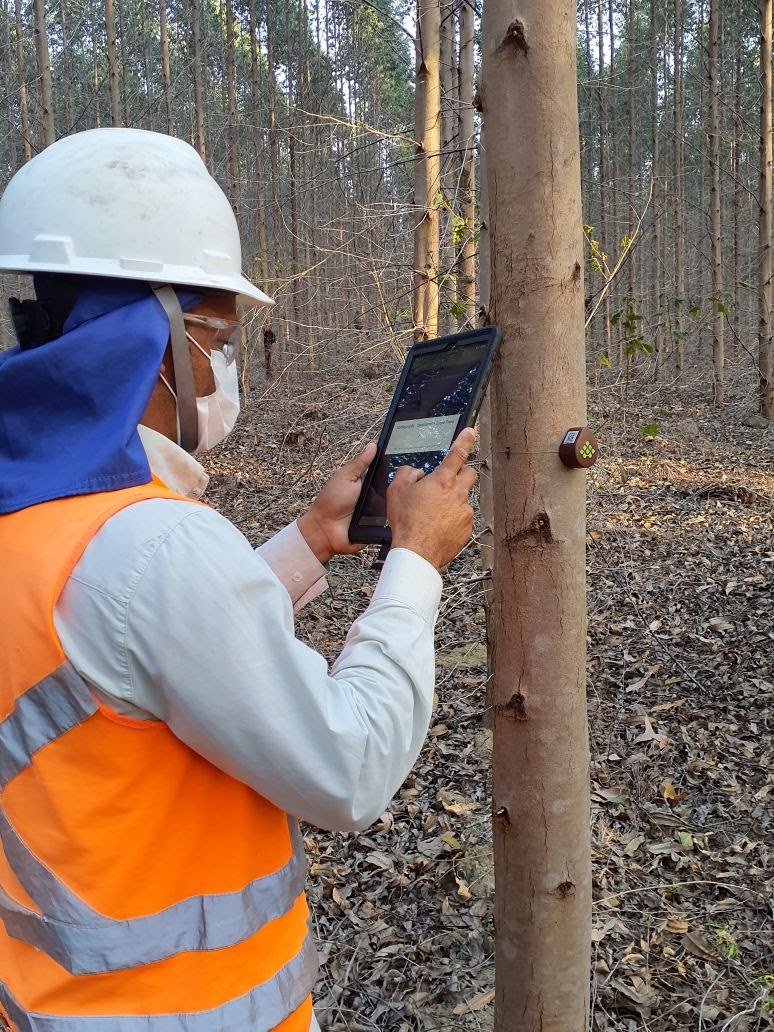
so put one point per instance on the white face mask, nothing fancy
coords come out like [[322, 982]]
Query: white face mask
[[217, 411]]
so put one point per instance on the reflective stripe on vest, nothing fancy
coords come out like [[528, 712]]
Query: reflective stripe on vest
[[76, 936], [258, 1011]]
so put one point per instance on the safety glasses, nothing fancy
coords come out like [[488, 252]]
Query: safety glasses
[[227, 334]]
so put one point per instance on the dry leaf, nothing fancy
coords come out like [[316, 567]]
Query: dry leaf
[[476, 1004], [671, 794]]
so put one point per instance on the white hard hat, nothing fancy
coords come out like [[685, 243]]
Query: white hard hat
[[125, 203]]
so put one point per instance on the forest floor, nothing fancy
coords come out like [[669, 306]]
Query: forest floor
[[681, 665]]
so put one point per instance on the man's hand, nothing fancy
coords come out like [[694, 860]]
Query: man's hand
[[325, 525], [431, 514]]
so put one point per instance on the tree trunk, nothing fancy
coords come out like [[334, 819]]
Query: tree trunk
[[765, 356], [541, 755], [10, 127], [47, 130], [110, 25], [273, 143], [67, 84], [165, 70], [427, 168], [718, 358], [260, 183], [677, 194], [467, 277], [656, 172], [633, 167], [125, 70], [196, 61], [737, 196], [231, 117], [604, 241]]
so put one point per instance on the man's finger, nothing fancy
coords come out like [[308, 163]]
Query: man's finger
[[356, 467], [407, 475], [459, 451], [467, 478]]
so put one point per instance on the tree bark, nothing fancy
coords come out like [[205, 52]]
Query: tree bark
[[10, 127], [231, 118], [765, 350], [165, 69], [196, 62], [110, 25], [718, 358], [677, 195], [47, 130], [467, 277], [67, 84], [541, 755], [656, 172], [604, 241], [427, 168], [633, 168]]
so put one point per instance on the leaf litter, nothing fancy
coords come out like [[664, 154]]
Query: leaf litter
[[680, 687]]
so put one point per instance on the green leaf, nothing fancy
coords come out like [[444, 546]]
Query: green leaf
[[605, 362], [615, 318], [693, 311], [746, 285], [458, 310], [722, 309], [650, 430]]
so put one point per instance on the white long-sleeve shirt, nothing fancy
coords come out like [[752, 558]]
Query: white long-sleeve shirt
[[171, 615]]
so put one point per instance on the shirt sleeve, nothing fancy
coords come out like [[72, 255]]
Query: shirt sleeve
[[207, 642], [295, 565]]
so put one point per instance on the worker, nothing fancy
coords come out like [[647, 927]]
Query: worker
[[162, 730]]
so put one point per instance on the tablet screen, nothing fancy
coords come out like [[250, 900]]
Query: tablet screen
[[437, 391]]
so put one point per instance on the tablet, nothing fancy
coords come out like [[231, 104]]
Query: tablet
[[439, 393]]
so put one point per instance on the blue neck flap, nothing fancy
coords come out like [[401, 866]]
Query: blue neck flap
[[69, 409]]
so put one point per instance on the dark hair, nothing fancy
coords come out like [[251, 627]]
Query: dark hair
[[39, 321]]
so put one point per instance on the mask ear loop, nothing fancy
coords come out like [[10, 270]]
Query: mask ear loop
[[187, 414]]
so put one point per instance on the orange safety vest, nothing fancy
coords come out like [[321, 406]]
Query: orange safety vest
[[141, 888]]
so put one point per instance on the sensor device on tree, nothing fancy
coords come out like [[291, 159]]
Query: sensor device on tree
[[579, 448]]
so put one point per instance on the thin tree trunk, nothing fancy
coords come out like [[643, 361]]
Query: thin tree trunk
[[656, 172], [736, 169], [67, 84], [255, 98], [125, 69], [10, 127], [48, 132], [604, 241], [718, 357], [95, 65], [273, 143], [196, 61], [448, 174], [231, 116], [632, 177], [540, 791], [165, 69], [110, 25], [467, 277], [427, 167], [614, 162], [765, 350], [677, 194]]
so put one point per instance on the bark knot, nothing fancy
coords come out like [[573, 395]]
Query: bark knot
[[515, 38], [565, 889], [502, 814], [539, 529], [515, 707]]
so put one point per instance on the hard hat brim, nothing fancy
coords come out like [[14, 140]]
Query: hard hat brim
[[151, 272]]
